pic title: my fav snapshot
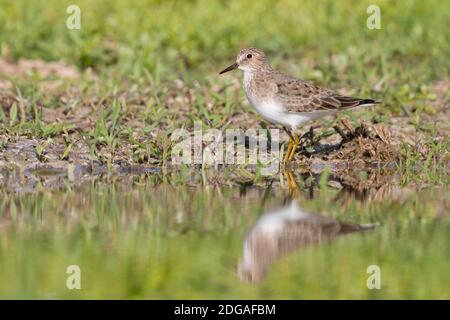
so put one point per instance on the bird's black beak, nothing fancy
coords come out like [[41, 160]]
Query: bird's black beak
[[232, 67]]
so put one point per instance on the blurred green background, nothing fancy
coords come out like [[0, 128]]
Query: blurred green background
[[172, 37]]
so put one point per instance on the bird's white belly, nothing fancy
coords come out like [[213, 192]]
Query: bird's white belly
[[275, 113]]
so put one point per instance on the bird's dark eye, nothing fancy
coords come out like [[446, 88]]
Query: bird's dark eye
[[249, 56]]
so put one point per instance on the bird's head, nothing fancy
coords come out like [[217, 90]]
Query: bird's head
[[249, 60]]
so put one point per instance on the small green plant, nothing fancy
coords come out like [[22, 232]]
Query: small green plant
[[107, 126]]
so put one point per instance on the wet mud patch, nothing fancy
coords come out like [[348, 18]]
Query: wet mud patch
[[358, 147]]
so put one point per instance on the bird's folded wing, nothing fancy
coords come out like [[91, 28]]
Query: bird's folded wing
[[301, 96]]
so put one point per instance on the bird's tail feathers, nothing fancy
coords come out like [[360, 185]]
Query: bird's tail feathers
[[367, 102]]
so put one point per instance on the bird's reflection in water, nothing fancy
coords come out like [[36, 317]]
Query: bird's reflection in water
[[283, 231]]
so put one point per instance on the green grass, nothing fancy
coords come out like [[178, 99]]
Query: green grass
[[171, 37], [139, 48]]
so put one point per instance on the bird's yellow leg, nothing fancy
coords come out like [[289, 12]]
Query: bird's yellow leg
[[292, 184], [288, 175], [295, 144], [288, 150]]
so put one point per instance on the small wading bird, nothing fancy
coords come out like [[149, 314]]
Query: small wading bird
[[285, 100]]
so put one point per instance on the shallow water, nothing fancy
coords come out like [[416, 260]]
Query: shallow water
[[153, 236]]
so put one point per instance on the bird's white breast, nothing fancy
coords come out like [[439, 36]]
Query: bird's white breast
[[271, 111]]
